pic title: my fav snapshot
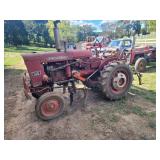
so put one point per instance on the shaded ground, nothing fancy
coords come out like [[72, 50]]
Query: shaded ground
[[130, 118]]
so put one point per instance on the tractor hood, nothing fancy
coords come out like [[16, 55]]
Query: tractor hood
[[56, 56]]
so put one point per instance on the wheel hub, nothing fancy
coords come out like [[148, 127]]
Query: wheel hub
[[119, 81], [50, 107]]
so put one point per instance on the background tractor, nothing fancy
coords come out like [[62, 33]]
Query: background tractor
[[64, 69], [137, 55]]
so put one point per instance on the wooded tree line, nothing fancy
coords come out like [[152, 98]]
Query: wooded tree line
[[17, 32], [121, 28], [41, 32]]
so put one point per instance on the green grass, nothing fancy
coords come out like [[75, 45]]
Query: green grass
[[151, 114], [12, 55], [148, 87], [138, 110], [27, 49]]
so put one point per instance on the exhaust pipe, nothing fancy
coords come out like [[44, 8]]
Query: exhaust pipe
[[56, 35]]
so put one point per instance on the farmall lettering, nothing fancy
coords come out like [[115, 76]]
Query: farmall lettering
[[57, 58]]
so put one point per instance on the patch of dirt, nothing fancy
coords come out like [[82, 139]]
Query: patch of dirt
[[101, 119]]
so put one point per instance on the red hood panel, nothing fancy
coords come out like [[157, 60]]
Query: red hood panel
[[56, 56]]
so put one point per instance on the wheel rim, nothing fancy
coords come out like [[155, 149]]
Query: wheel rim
[[119, 81], [50, 107]]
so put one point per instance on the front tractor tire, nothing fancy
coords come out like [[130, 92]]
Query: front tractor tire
[[116, 80], [49, 106]]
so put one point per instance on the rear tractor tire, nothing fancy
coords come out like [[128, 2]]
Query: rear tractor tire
[[140, 65], [116, 80], [49, 106]]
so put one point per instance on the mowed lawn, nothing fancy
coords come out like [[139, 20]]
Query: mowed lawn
[[12, 55], [13, 59]]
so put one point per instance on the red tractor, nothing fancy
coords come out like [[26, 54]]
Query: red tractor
[[47, 71]]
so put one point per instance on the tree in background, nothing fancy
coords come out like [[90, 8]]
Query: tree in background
[[151, 25], [36, 32], [15, 33], [132, 27], [50, 27], [121, 28], [41, 32], [30, 27], [67, 31], [84, 31], [113, 29]]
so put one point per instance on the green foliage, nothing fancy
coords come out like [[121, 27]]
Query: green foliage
[[84, 31], [75, 33], [15, 33], [41, 32], [151, 25], [50, 27], [113, 29], [67, 31], [138, 110], [121, 28]]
